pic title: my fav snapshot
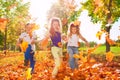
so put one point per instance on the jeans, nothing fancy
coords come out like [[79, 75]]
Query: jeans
[[30, 57], [72, 61]]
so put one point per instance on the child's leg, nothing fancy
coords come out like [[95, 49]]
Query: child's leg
[[26, 55], [56, 59], [32, 61], [75, 50], [71, 58]]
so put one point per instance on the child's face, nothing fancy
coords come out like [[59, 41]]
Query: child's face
[[28, 28], [56, 25], [74, 30]]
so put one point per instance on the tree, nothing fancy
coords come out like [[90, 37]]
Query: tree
[[103, 11], [66, 11], [16, 12]]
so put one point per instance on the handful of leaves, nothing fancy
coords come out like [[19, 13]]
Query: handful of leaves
[[23, 46]]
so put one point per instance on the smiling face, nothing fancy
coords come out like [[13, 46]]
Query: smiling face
[[56, 25], [73, 30], [28, 28]]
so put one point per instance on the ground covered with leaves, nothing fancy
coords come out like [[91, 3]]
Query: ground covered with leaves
[[97, 68]]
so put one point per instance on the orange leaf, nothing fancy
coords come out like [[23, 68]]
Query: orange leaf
[[60, 44], [3, 19], [66, 78], [76, 56], [44, 43], [109, 56], [77, 23], [64, 21], [99, 3], [90, 50], [3, 25], [110, 41], [24, 46]]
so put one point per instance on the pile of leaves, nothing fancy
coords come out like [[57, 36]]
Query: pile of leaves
[[12, 68]]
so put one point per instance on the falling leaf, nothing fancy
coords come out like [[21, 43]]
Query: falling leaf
[[64, 21], [84, 59], [90, 50], [80, 56], [28, 73], [99, 34], [44, 42], [109, 56], [110, 41], [76, 56], [34, 26], [77, 23]]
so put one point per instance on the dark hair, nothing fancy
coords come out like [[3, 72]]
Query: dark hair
[[27, 24]]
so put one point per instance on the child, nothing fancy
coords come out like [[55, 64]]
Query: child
[[72, 45], [27, 40], [56, 49]]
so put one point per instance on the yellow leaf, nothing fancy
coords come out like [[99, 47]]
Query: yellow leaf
[[24, 46], [60, 44], [99, 34], [67, 78], [109, 56], [28, 73], [83, 59]]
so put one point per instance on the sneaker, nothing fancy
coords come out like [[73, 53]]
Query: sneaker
[[26, 62]]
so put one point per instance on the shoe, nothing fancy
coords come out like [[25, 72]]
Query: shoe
[[26, 62]]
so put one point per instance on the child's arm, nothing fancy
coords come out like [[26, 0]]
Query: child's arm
[[64, 39], [82, 38]]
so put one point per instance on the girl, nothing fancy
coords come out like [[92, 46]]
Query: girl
[[56, 49], [72, 46]]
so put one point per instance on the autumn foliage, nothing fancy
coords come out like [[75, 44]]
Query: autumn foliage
[[3, 23], [12, 68]]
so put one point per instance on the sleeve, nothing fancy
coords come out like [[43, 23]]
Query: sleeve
[[20, 39], [22, 35]]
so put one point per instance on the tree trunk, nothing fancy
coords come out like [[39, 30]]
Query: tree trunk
[[107, 44], [108, 27], [5, 41]]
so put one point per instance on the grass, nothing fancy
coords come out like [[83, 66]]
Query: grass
[[102, 50]]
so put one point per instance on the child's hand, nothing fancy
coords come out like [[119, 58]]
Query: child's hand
[[33, 41], [60, 44], [64, 37]]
